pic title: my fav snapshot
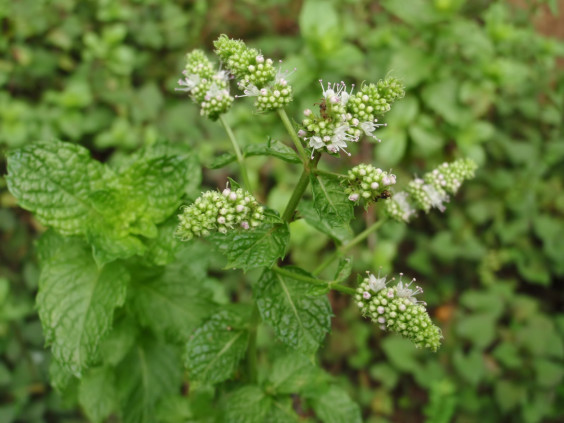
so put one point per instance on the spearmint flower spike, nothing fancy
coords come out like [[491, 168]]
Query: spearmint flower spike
[[368, 183], [431, 191], [206, 85], [396, 309], [221, 212], [345, 116], [257, 76]]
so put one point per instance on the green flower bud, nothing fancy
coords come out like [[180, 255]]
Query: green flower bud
[[366, 181], [222, 212]]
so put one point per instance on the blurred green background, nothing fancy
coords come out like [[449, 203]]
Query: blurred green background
[[482, 81]]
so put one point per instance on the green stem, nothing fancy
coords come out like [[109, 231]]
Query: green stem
[[314, 281], [345, 247], [240, 158], [252, 345], [300, 188], [293, 135]]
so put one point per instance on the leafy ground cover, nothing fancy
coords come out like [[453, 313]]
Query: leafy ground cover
[[480, 81]]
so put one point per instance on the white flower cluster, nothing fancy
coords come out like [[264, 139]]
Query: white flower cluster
[[345, 117], [396, 309], [257, 76], [205, 85], [368, 183], [431, 191], [215, 211]]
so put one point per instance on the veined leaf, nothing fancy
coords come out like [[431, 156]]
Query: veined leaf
[[335, 406], [76, 195], [248, 404], [339, 233], [55, 181], [291, 373], [151, 371], [216, 348], [256, 247], [76, 302], [155, 183], [298, 319], [222, 160], [344, 269], [171, 300], [272, 148], [97, 393], [162, 249], [330, 200]]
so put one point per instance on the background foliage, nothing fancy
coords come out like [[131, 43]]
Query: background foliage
[[481, 81]]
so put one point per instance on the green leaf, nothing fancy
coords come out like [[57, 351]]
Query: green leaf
[[169, 302], [344, 269], [54, 181], [248, 404], [419, 12], [162, 249], [291, 373], [216, 348], [151, 371], [330, 200], [256, 247], [155, 182], [97, 393], [335, 406], [222, 160], [320, 26], [299, 320], [76, 301], [339, 233], [76, 195], [272, 148], [442, 97]]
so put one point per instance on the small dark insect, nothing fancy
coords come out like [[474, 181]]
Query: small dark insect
[[323, 109], [383, 195]]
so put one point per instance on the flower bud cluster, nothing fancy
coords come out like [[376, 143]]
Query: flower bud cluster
[[396, 309], [430, 191], [345, 117], [368, 183], [256, 74], [205, 85], [219, 211]]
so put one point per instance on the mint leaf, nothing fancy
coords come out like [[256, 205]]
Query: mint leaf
[[169, 301], [272, 148], [163, 248], [154, 184], [97, 393], [330, 200], [248, 404], [282, 411], [222, 160], [76, 195], [216, 348], [54, 181], [344, 269], [335, 406], [151, 371], [256, 247], [76, 301], [299, 320], [291, 373], [339, 233]]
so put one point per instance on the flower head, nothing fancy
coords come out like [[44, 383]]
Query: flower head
[[396, 309]]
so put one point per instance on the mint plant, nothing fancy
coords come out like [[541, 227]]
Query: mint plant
[[135, 324]]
